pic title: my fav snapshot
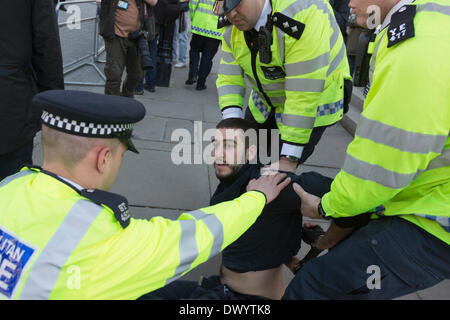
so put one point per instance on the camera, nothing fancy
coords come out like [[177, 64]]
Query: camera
[[140, 37]]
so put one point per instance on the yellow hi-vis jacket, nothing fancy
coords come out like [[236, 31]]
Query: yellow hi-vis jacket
[[308, 89], [203, 20], [57, 244], [399, 159]]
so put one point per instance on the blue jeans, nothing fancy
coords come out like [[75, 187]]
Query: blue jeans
[[401, 256], [180, 40], [150, 75]]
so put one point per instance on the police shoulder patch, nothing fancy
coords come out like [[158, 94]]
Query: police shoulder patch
[[288, 25], [117, 203], [402, 25]]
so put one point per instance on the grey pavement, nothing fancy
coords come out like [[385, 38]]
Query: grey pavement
[[154, 185]]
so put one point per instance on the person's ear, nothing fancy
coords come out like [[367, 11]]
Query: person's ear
[[104, 157], [252, 152]]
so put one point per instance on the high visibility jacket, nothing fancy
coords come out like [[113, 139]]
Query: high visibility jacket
[[399, 160], [308, 89], [57, 244], [203, 21]]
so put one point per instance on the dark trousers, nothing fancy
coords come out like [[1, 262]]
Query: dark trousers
[[122, 53], [402, 257], [208, 48], [210, 289], [12, 162], [150, 75], [270, 124]]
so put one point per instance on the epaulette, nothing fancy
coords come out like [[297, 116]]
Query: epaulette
[[288, 25], [402, 25], [223, 22], [117, 203]]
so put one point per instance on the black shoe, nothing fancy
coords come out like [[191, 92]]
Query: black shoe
[[139, 92], [149, 89], [199, 88], [190, 81]]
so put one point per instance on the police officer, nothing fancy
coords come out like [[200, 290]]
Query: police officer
[[293, 54], [396, 175], [63, 236], [205, 40]]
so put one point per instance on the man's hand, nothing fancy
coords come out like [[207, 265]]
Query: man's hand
[[310, 203], [269, 185]]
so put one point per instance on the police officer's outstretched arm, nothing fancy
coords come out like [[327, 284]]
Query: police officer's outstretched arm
[[148, 255]]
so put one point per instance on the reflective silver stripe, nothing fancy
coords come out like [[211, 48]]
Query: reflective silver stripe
[[398, 138], [336, 60], [208, 2], [45, 271], [296, 121], [215, 226], [304, 85], [203, 10], [443, 160], [298, 6], [231, 69], [277, 100], [230, 89], [308, 66], [434, 7], [15, 176], [274, 86], [375, 173], [260, 104], [227, 35], [280, 35], [227, 56], [188, 248], [443, 221], [374, 56]]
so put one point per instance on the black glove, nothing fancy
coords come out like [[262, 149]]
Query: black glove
[[309, 235]]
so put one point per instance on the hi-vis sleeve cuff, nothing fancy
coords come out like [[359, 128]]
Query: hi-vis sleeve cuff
[[232, 112], [291, 150]]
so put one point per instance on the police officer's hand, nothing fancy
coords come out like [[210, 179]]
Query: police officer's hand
[[310, 203], [269, 184]]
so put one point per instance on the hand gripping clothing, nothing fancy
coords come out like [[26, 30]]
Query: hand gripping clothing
[[57, 244], [304, 80], [399, 161]]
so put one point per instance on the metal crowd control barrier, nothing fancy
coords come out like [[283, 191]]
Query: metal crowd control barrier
[[94, 56]]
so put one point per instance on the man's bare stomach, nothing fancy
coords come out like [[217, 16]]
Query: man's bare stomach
[[266, 283]]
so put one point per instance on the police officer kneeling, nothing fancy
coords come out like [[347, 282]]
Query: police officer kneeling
[[63, 236]]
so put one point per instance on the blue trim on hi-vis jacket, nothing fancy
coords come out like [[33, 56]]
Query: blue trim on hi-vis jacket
[[15, 257], [205, 31]]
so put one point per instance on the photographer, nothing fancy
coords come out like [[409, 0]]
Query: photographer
[[123, 27]]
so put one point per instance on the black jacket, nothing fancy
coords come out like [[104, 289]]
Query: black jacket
[[30, 62]]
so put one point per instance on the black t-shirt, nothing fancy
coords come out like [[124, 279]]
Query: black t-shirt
[[276, 235]]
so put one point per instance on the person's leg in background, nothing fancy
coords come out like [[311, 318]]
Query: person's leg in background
[[150, 75], [115, 64], [209, 51], [134, 69], [175, 41], [194, 58], [182, 41], [11, 163]]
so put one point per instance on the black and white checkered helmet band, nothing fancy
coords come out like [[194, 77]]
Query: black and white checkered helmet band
[[84, 128]]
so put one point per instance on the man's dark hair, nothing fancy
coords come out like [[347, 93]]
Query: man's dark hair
[[238, 123]]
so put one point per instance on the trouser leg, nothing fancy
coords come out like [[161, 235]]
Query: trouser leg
[[134, 69], [115, 64], [194, 56], [385, 259], [210, 49]]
